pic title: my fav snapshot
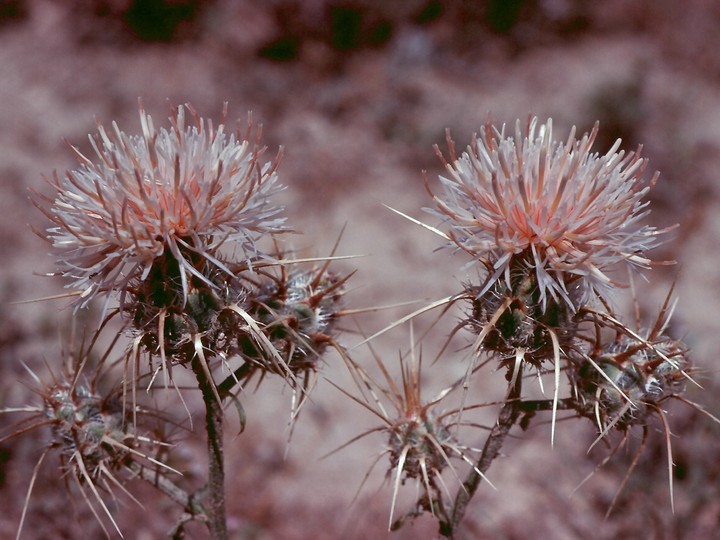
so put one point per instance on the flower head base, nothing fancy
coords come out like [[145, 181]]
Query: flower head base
[[621, 383], [419, 444], [183, 191], [569, 214], [298, 311], [513, 318]]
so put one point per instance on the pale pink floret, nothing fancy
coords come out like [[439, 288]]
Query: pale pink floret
[[573, 212], [188, 189]]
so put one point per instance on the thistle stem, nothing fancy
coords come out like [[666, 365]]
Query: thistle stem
[[169, 488], [225, 387], [215, 506], [508, 416], [536, 405]]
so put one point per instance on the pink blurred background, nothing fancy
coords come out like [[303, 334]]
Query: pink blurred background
[[358, 91]]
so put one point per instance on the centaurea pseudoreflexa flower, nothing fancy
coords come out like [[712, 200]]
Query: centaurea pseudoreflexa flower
[[567, 213], [103, 443], [178, 193]]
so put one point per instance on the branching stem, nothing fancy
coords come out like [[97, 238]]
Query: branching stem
[[508, 416], [172, 490]]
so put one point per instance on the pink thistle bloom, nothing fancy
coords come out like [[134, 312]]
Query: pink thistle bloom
[[567, 213], [183, 191]]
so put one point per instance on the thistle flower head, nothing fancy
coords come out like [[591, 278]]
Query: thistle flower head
[[101, 445], [626, 381], [90, 428], [623, 382], [171, 195], [421, 441], [565, 212], [298, 310]]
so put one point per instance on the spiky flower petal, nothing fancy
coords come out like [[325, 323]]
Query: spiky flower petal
[[567, 212], [183, 191]]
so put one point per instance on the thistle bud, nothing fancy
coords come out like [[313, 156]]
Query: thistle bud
[[624, 383]]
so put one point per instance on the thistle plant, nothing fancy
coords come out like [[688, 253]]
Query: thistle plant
[[421, 439], [175, 233], [548, 226], [559, 212]]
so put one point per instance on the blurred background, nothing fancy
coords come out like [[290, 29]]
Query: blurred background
[[358, 92]]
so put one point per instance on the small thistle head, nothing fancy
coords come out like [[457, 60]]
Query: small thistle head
[[162, 202], [420, 441], [85, 426], [102, 441], [567, 213], [630, 378], [421, 444], [622, 382], [298, 311], [418, 444]]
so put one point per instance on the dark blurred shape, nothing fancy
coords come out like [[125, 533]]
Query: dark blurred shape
[[511, 26], [503, 14], [619, 107], [286, 43], [5, 456], [124, 23], [343, 27], [352, 28], [431, 11], [158, 20], [282, 49], [12, 11]]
